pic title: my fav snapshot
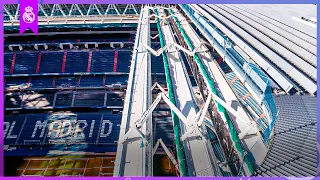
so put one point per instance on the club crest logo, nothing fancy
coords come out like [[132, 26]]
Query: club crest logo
[[28, 15]]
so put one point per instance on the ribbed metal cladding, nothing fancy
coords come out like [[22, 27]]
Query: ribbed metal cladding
[[293, 151]]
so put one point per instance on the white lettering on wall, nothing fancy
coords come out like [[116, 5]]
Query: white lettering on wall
[[9, 136], [7, 125], [104, 122], [79, 130], [91, 128], [54, 130], [40, 125], [60, 129], [66, 129]]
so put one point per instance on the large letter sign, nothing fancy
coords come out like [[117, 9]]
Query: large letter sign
[[66, 129], [7, 125], [40, 125], [79, 130], [9, 136], [56, 131], [104, 122], [49, 128]]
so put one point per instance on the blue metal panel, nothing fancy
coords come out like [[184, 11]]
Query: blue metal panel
[[102, 61], [160, 79], [64, 99], [7, 62], [157, 64], [89, 99], [77, 61], [123, 63], [119, 79], [42, 82], [91, 81], [163, 127], [51, 62], [66, 81], [114, 99], [26, 63]]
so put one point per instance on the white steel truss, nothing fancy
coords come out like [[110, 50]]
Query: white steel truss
[[195, 126], [130, 7], [166, 150], [112, 7], [11, 11], [192, 53]]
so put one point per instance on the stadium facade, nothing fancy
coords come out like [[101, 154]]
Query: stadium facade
[[161, 90]]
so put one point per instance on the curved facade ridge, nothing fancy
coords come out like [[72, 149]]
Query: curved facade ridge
[[293, 150], [184, 90]]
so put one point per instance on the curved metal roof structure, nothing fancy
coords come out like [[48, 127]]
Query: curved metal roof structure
[[224, 90]]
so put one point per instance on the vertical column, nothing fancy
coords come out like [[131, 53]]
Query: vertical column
[[89, 61], [115, 61], [38, 63], [13, 62], [64, 61]]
